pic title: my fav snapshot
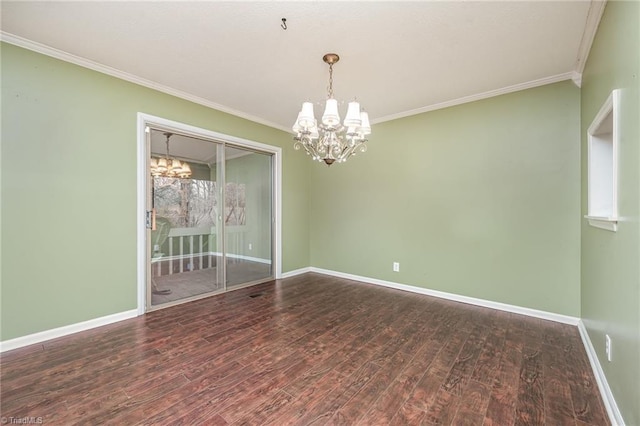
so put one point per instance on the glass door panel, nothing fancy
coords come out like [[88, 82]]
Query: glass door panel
[[248, 216], [184, 244]]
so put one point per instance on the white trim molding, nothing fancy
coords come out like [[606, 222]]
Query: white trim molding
[[66, 330], [551, 316], [295, 272], [607, 396], [596, 10], [577, 79], [608, 223], [105, 69], [479, 96]]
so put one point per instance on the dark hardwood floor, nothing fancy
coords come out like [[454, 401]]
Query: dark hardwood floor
[[309, 350]]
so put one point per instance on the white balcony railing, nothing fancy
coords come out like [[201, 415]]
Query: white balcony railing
[[189, 249]]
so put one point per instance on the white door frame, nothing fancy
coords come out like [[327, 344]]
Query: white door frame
[[145, 121]]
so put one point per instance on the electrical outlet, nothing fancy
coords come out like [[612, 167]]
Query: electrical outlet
[[396, 266], [250, 246], [607, 346]]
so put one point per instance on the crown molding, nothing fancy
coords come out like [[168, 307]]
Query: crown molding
[[477, 97], [577, 79], [104, 69], [596, 10]]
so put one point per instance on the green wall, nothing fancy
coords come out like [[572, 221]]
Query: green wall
[[611, 260], [69, 225], [481, 200]]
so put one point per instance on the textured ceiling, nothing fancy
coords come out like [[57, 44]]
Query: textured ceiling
[[397, 58]]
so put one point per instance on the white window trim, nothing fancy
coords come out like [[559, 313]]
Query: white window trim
[[611, 106], [608, 223]]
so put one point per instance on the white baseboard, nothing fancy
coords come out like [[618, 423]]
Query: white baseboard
[[565, 319], [607, 396], [54, 333], [295, 272]]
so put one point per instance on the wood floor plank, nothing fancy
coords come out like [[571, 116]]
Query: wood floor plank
[[502, 403], [201, 405], [486, 367], [587, 404], [407, 415], [351, 412], [463, 366], [310, 349], [338, 396], [312, 394], [443, 409], [269, 408], [530, 403], [427, 389], [248, 409], [473, 404], [399, 391], [558, 406], [151, 398]]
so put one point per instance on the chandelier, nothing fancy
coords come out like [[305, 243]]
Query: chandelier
[[329, 140], [169, 167]]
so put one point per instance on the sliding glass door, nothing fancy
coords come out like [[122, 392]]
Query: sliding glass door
[[183, 239], [210, 227], [248, 216]]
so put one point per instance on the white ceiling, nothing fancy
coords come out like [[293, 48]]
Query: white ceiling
[[397, 58]]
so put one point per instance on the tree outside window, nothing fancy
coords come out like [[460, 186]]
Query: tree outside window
[[189, 203]]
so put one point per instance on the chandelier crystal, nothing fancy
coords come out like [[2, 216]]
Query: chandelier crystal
[[169, 167], [329, 140]]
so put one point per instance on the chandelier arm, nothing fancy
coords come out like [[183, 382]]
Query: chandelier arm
[[346, 153], [306, 142]]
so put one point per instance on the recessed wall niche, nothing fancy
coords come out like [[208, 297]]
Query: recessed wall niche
[[603, 135]]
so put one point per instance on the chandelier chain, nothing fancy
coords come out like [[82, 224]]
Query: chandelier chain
[[330, 81]]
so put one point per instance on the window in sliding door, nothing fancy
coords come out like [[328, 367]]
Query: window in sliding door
[[248, 205], [184, 245]]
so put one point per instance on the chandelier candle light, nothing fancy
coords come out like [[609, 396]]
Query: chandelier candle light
[[169, 167], [329, 140]]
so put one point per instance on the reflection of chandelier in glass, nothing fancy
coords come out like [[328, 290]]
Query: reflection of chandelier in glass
[[329, 140], [169, 167]]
